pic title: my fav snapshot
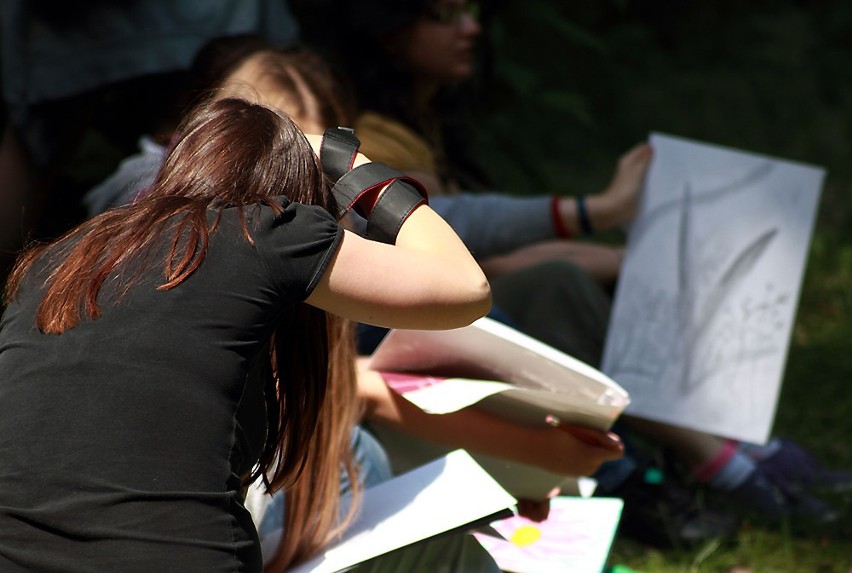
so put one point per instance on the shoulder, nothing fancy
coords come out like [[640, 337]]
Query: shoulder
[[389, 141], [291, 216], [293, 239], [280, 225], [286, 245]]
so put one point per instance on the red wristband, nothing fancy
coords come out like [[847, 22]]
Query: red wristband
[[558, 224]]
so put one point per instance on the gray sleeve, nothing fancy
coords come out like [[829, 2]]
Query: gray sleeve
[[134, 174], [492, 223]]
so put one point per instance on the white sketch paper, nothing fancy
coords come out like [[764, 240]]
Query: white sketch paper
[[576, 537], [538, 378], [707, 295], [497, 369], [444, 495]]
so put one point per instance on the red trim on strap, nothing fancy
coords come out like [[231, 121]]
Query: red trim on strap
[[367, 200]]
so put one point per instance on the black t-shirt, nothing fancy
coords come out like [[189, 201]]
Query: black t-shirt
[[120, 447]]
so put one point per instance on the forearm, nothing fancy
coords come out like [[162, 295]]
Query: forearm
[[411, 270], [603, 262], [478, 431], [601, 213]]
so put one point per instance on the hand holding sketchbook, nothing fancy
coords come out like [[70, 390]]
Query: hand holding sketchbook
[[504, 372]]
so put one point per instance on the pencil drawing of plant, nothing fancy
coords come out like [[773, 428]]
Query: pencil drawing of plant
[[706, 298], [679, 336], [697, 321]]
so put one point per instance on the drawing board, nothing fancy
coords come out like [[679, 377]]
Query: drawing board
[[706, 300]]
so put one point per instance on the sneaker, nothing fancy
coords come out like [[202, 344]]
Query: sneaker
[[665, 514], [773, 499], [800, 469]]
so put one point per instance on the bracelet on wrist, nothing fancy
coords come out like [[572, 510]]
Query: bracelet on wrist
[[562, 231], [583, 216]]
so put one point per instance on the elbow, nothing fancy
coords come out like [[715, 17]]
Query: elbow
[[484, 299], [477, 303]]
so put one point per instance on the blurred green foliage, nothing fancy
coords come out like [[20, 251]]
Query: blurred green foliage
[[571, 85], [568, 86]]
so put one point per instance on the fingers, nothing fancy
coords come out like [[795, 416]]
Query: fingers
[[534, 510], [640, 154], [591, 436], [606, 445], [631, 168], [621, 196]]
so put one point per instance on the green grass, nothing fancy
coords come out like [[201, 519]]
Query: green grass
[[586, 80]]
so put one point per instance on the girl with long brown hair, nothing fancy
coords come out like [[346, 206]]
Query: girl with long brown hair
[[129, 418], [299, 84]]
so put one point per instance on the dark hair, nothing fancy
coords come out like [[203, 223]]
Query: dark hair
[[205, 170], [355, 37], [202, 170], [362, 30]]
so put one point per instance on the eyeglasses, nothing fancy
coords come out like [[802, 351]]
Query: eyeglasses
[[452, 13]]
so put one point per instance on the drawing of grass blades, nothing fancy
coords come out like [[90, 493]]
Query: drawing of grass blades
[[686, 295], [734, 275]]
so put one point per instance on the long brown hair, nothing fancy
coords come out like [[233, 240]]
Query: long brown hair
[[311, 516], [228, 153]]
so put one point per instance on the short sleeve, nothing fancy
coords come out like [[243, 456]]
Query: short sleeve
[[296, 246]]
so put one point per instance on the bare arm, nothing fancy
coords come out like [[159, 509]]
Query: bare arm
[[545, 447], [603, 262], [427, 280]]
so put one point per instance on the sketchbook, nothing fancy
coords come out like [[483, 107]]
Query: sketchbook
[[452, 493], [498, 369], [708, 290], [577, 536]]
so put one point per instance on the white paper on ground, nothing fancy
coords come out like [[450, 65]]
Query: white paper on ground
[[443, 495]]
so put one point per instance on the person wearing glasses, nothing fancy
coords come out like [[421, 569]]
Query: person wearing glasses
[[407, 64]]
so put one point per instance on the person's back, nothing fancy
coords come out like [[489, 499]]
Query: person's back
[[129, 424], [109, 446]]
